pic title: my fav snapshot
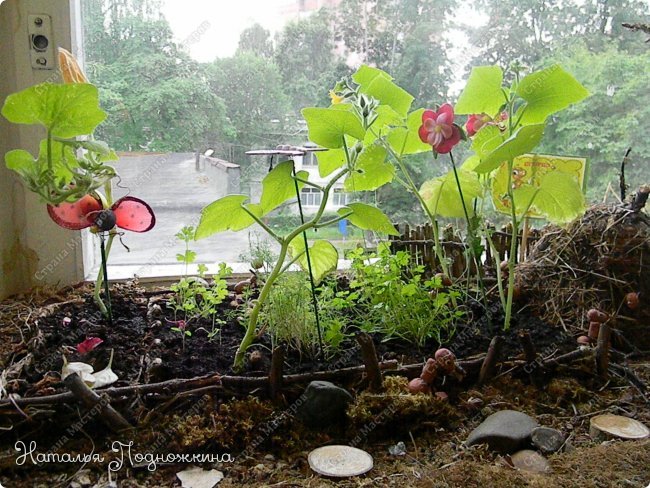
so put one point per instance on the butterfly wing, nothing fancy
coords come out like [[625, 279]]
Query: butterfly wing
[[133, 214], [77, 215]]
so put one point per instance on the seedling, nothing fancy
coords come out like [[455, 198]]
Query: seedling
[[68, 173]]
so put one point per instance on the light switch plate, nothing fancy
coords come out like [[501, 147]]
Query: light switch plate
[[41, 41]]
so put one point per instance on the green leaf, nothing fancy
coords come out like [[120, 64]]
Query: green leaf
[[482, 94], [327, 126], [370, 171], [329, 161], [67, 110], [21, 162], [227, 213], [323, 256], [386, 119], [279, 186], [548, 91], [559, 197], [367, 217], [388, 93], [486, 140], [521, 142], [187, 257], [405, 140], [442, 197], [365, 74]]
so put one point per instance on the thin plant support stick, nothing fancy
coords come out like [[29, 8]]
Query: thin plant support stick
[[311, 272], [109, 311], [524, 240]]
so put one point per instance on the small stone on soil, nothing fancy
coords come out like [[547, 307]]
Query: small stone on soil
[[530, 462], [324, 405], [547, 440], [505, 431]]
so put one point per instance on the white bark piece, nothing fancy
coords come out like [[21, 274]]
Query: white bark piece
[[196, 477], [603, 427]]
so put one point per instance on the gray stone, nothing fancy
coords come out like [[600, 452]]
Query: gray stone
[[547, 440], [324, 404], [506, 431], [530, 462]]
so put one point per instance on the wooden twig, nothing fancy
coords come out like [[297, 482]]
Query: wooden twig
[[369, 354], [275, 375], [629, 375], [640, 198], [568, 357], [527, 345], [621, 177], [489, 363], [111, 417], [602, 350]]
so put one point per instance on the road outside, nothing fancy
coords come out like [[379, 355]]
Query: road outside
[[172, 186]]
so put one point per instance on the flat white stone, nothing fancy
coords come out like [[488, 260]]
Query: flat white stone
[[340, 461]]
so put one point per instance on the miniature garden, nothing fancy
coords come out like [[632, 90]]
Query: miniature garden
[[447, 355]]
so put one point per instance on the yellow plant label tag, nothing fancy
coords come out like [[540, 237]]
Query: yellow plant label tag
[[529, 169]]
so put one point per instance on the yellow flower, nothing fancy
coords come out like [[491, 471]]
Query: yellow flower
[[335, 98], [70, 70]]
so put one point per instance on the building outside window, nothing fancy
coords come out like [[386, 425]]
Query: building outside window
[[310, 197], [340, 198]]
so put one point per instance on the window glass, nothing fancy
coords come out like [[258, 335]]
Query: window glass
[[190, 86]]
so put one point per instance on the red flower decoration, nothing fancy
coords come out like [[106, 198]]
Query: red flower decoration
[[128, 213], [88, 345], [439, 130], [475, 122]]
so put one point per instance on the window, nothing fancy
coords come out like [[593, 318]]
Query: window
[[340, 198], [310, 197], [309, 159]]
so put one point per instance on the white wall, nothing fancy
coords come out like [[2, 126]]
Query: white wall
[[33, 250]]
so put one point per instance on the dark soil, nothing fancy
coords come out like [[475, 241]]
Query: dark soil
[[147, 350]]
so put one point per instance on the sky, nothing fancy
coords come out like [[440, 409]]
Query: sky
[[211, 29]]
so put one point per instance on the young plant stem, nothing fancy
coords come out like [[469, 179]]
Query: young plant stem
[[512, 256], [307, 255], [410, 186], [101, 277], [472, 238], [249, 336]]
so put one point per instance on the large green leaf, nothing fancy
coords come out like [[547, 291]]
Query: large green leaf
[[67, 110], [367, 217], [388, 93], [323, 256], [227, 213], [327, 126], [370, 171], [548, 91], [278, 186], [482, 94], [486, 140], [21, 162], [443, 198], [559, 197], [521, 142], [386, 119], [365, 74], [329, 161], [405, 140]]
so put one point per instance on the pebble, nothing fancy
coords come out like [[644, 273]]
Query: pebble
[[530, 462], [506, 431], [325, 404], [547, 440]]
